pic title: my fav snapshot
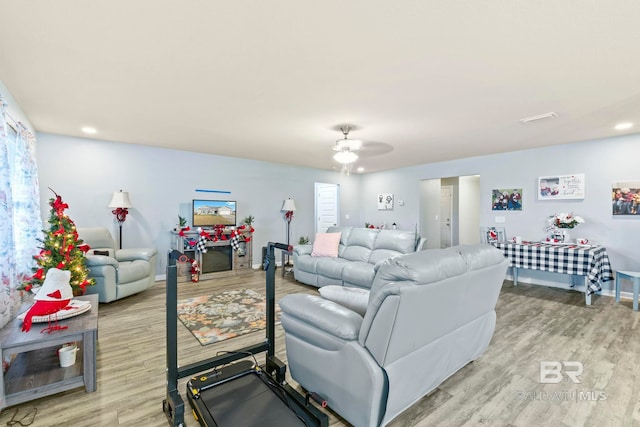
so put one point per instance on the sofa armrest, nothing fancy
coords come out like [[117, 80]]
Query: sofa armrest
[[323, 314], [302, 249], [100, 261], [135, 254], [421, 244]]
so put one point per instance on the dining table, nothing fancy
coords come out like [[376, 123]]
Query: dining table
[[589, 261]]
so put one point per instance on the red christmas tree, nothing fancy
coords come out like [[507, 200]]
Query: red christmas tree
[[61, 249]]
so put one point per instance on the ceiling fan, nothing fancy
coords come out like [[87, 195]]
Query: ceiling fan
[[348, 151], [346, 148]]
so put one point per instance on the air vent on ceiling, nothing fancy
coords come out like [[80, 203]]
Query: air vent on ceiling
[[550, 115]]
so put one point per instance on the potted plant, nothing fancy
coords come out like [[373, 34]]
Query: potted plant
[[182, 223], [303, 240], [248, 220]]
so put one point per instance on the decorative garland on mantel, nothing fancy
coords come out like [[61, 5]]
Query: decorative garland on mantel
[[217, 234]]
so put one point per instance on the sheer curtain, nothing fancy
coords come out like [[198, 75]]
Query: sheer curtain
[[20, 221]]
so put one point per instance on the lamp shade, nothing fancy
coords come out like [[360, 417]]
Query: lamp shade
[[288, 206], [120, 199], [345, 157]]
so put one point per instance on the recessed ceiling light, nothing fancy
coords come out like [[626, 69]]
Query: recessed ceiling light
[[550, 115], [89, 130], [360, 169], [623, 126]]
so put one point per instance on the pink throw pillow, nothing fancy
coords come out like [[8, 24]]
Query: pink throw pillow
[[326, 244]]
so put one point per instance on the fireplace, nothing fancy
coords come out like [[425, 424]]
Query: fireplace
[[217, 258]]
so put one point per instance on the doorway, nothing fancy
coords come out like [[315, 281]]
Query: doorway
[[446, 214], [450, 211], [327, 206]]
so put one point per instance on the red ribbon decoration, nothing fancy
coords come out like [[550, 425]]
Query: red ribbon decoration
[[288, 215], [59, 231], [121, 214], [59, 205], [42, 253]]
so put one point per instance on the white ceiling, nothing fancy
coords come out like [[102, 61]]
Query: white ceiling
[[422, 81]]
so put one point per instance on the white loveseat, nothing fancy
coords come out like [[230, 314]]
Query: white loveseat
[[358, 252]]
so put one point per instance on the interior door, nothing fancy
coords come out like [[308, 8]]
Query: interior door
[[327, 206], [446, 212]]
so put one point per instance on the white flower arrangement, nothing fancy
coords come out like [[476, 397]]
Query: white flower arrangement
[[564, 220]]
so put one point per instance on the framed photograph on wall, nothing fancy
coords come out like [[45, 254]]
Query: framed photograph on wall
[[561, 187], [506, 199], [625, 198], [385, 202]]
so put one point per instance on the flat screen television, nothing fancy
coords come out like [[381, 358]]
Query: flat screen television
[[209, 213]]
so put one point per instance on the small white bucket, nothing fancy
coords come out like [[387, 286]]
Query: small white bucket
[[67, 355]]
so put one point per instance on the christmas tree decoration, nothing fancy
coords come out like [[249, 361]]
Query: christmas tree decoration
[[62, 249]]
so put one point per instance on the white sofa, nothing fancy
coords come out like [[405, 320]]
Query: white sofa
[[358, 252], [429, 314]]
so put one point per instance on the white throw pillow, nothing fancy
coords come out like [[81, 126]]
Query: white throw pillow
[[355, 299]]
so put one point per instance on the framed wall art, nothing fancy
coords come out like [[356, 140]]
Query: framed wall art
[[506, 199], [561, 187], [492, 234], [625, 198], [385, 202]]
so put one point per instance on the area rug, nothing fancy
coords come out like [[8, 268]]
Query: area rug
[[218, 317]]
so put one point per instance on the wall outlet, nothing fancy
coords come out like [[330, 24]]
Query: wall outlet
[[347, 216], [500, 219]]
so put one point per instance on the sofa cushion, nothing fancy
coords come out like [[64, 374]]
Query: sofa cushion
[[358, 273], [326, 244], [361, 243], [331, 267], [391, 243], [130, 271], [355, 299], [344, 238], [306, 263]]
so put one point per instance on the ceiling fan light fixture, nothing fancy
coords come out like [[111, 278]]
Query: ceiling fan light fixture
[[345, 157], [351, 144]]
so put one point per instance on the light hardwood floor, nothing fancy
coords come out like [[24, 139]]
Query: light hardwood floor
[[502, 388]]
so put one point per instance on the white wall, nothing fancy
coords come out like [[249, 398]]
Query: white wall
[[13, 108], [162, 183], [429, 213], [602, 161], [469, 200]]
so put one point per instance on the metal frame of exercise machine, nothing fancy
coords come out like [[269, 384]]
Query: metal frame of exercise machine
[[224, 370]]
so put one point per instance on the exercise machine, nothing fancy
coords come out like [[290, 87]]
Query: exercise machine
[[229, 390]]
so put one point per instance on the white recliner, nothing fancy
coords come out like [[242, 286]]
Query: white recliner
[[429, 314], [118, 272]]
